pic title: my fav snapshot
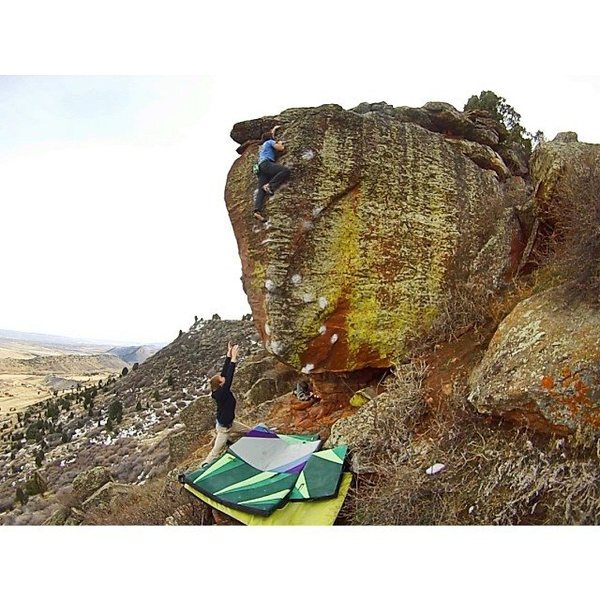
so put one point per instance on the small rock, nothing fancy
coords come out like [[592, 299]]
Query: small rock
[[436, 468]]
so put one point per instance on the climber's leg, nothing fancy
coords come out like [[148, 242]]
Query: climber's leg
[[280, 177], [259, 201]]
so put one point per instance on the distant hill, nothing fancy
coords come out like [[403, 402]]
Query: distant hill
[[24, 345], [65, 364], [50, 339], [134, 354]]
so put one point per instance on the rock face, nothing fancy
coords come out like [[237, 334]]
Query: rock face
[[566, 175], [387, 213], [542, 367]]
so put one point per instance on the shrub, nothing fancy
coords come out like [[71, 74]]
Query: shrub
[[507, 117], [576, 241]]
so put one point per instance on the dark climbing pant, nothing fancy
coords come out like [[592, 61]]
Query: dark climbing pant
[[273, 174]]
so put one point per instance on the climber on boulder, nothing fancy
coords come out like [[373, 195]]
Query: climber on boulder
[[270, 174], [226, 425]]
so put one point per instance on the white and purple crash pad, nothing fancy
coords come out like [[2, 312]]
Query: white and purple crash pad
[[266, 450]]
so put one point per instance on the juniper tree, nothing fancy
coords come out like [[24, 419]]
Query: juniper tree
[[506, 116], [115, 411]]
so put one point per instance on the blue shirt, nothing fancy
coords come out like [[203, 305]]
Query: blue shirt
[[267, 152]]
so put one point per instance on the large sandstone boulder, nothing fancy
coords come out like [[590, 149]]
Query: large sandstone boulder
[[382, 221], [542, 367]]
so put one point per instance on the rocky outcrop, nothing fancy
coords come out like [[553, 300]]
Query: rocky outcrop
[[86, 483], [59, 517], [388, 213], [542, 367], [197, 418], [261, 378], [105, 497], [561, 171], [566, 175]]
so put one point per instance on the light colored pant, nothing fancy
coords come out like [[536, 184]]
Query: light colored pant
[[224, 434]]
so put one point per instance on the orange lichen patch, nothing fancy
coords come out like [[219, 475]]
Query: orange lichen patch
[[593, 417], [581, 388], [566, 372], [547, 382]]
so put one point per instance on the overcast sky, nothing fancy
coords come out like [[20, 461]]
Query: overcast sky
[[113, 221]]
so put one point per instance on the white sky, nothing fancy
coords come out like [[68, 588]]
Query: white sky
[[113, 165]]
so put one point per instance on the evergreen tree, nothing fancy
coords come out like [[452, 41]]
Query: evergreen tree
[[506, 116], [21, 496], [115, 411]]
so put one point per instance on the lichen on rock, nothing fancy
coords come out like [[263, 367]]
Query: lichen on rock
[[401, 215], [542, 367]]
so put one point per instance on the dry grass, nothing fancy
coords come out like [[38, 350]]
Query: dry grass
[[395, 422], [575, 234], [153, 504], [493, 475]]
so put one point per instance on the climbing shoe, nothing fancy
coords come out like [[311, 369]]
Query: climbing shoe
[[258, 215], [267, 189]]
